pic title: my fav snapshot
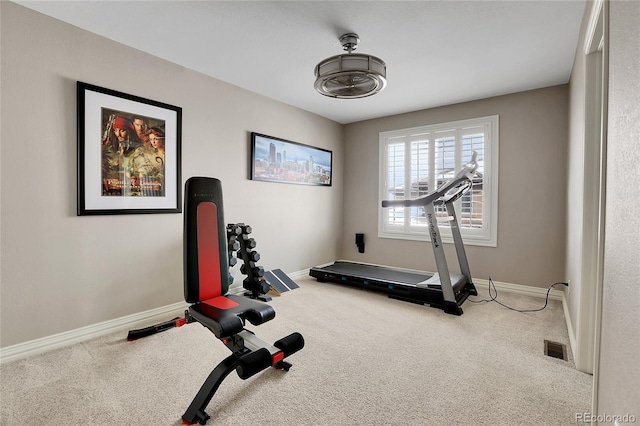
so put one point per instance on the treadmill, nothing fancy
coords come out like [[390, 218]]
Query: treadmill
[[440, 290]]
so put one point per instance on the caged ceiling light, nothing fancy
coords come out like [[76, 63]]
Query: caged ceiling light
[[350, 75]]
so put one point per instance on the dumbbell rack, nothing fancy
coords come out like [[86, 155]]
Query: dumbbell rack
[[239, 242]]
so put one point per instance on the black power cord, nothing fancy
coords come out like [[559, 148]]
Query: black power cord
[[495, 298]]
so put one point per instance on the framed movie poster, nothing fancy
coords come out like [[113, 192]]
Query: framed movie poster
[[128, 153]]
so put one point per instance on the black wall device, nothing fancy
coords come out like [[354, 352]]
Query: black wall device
[[360, 242]]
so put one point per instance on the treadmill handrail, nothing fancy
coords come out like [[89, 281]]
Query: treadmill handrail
[[460, 191], [462, 180]]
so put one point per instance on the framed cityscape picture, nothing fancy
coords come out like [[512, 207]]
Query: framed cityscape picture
[[279, 160]]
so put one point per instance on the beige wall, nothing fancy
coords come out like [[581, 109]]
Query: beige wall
[[619, 369], [61, 272], [532, 189]]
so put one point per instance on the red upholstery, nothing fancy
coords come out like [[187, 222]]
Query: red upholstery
[[208, 253], [206, 267], [206, 264], [221, 302]]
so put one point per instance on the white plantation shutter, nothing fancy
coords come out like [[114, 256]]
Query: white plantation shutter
[[413, 162], [396, 177]]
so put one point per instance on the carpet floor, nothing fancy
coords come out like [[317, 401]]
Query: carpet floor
[[367, 360]]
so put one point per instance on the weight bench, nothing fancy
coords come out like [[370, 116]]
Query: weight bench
[[206, 282]]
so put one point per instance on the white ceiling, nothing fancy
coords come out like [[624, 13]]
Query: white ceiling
[[437, 52]]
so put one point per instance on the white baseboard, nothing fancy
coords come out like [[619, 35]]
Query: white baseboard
[[157, 315], [299, 274], [537, 292], [129, 322], [570, 330], [511, 288], [520, 289], [480, 283], [67, 338]]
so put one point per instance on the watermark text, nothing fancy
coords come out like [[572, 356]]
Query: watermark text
[[604, 418]]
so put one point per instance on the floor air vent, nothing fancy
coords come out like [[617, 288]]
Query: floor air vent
[[555, 350]]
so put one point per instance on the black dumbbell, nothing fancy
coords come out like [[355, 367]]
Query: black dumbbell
[[232, 261], [264, 287], [250, 283], [234, 244], [246, 229], [254, 256]]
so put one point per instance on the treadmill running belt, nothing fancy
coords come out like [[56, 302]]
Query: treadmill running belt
[[377, 273]]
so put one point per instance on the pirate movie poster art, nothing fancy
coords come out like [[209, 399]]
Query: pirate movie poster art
[[132, 155], [128, 153]]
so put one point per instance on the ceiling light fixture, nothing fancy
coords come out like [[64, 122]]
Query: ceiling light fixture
[[350, 75]]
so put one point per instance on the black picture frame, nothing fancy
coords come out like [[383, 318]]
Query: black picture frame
[[279, 160], [129, 153]]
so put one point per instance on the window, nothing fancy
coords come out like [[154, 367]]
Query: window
[[414, 162]]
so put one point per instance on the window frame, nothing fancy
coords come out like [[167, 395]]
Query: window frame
[[485, 236]]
